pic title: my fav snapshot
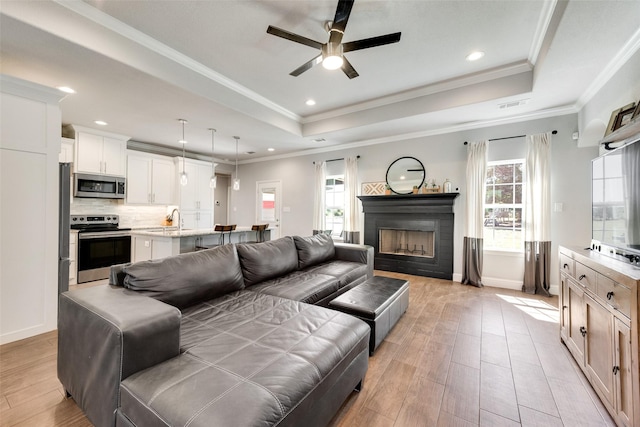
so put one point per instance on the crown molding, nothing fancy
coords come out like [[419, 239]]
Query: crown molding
[[544, 20], [543, 114]]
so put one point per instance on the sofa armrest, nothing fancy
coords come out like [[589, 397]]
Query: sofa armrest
[[356, 253], [105, 334]]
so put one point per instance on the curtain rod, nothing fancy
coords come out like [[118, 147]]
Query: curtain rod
[[335, 160], [510, 137]]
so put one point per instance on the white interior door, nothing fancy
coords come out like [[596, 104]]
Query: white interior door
[[269, 205]]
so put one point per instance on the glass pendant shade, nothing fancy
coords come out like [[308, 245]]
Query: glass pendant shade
[[236, 182], [184, 179], [213, 181]]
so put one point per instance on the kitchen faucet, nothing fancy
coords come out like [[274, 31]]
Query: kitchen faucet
[[179, 218]]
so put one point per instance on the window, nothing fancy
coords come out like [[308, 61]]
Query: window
[[334, 204], [503, 206]]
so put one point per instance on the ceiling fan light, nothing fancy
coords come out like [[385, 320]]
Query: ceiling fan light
[[332, 56]]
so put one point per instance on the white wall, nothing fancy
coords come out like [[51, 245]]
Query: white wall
[[444, 156], [622, 89]]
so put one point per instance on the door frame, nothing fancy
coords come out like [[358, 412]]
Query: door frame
[[277, 184]]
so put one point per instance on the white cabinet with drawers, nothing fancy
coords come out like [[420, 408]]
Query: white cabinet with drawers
[[599, 325]]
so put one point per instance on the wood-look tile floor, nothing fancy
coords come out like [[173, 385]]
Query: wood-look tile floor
[[460, 356]]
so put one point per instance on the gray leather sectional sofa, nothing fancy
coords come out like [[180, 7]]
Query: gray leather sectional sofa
[[230, 336]]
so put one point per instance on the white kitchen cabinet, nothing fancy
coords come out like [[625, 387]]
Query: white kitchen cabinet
[[196, 198], [29, 177], [599, 324], [100, 152], [150, 179], [157, 247]]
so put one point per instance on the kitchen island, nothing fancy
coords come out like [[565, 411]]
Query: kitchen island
[[162, 242]]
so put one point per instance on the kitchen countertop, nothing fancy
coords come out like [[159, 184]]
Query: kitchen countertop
[[174, 232]]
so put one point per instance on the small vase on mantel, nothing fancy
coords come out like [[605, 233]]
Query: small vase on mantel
[[446, 186]]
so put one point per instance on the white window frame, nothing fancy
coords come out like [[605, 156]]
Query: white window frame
[[520, 206], [334, 233]]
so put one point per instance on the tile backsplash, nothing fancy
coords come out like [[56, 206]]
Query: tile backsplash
[[130, 215]]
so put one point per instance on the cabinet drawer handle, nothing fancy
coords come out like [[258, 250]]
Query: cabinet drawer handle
[[609, 295], [616, 369], [583, 330], [565, 265], [582, 276]]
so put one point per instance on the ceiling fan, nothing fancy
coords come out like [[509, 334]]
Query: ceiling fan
[[332, 52]]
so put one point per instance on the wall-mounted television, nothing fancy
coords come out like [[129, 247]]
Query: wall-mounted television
[[616, 202]]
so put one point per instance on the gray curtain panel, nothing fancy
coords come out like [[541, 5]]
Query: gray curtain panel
[[472, 265], [537, 266], [351, 236]]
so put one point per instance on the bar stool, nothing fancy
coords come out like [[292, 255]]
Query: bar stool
[[224, 229], [259, 229]]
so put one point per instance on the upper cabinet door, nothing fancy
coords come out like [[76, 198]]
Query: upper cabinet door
[[88, 153], [162, 181], [138, 185], [113, 156], [205, 192]]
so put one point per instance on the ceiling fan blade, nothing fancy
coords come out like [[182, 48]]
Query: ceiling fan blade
[[371, 42], [306, 66], [293, 37], [348, 69], [343, 11]]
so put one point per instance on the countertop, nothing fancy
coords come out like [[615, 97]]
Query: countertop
[[174, 232]]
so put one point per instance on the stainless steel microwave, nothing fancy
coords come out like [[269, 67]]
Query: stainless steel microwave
[[99, 186]]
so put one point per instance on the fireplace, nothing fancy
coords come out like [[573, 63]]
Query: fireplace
[[406, 242], [411, 233]]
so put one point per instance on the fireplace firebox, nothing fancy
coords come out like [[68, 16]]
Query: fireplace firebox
[[411, 233]]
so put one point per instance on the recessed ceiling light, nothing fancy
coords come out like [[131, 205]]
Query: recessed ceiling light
[[474, 56], [310, 102], [66, 89], [101, 122], [182, 141], [271, 149]]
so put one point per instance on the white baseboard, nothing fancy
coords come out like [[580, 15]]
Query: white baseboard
[[496, 282]]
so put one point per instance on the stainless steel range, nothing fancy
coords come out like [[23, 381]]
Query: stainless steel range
[[101, 244]]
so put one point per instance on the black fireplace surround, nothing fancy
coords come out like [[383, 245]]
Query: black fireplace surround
[[412, 212]]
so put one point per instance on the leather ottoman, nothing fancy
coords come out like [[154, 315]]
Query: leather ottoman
[[379, 301]]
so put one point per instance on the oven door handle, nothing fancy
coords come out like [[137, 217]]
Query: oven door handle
[[103, 234]]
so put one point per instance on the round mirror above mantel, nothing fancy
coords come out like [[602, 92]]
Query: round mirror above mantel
[[405, 173]]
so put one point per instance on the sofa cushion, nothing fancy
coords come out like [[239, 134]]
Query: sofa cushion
[[314, 249], [264, 261], [299, 286], [346, 272], [187, 279]]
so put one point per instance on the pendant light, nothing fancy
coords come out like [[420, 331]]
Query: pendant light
[[184, 179], [213, 181], [236, 182]]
